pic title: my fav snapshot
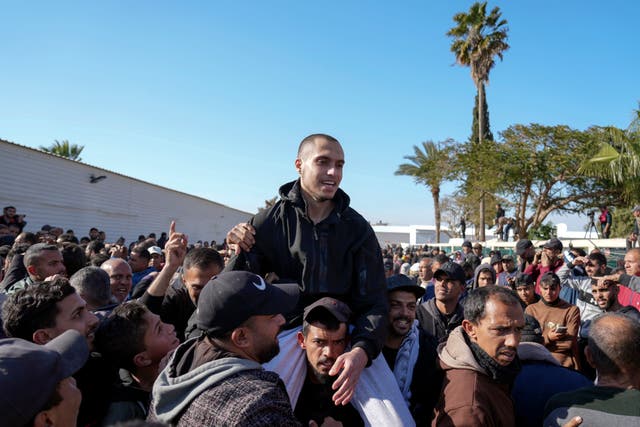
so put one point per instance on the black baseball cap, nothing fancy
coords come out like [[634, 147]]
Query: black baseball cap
[[337, 308], [451, 270], [496, 259], [30, 373], [400, 282], [231, 298], [522, 246], [553, 243]]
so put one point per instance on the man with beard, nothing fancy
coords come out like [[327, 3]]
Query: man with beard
[[480, 361], [605, 293], [409, 351], [443, 313], [324, 338], [217, 379], [41, 313], [526, 252]]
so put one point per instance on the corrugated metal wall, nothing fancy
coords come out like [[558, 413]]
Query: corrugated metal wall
[[56, 191]]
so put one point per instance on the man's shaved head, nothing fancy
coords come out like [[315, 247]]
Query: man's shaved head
[[614, 345], [311, 139]]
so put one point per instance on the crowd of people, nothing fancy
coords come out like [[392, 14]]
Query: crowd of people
[[301, 318]]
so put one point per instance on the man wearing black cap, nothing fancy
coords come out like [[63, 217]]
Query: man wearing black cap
[[410, 351], [548, 260], [36, 386], [526, 252], [217, 379], [443, 313], [324, 337]]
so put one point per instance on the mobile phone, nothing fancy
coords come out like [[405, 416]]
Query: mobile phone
[[561, 329]]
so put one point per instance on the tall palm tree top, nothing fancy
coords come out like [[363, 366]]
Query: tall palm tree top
[[478, 38], [64, 149]]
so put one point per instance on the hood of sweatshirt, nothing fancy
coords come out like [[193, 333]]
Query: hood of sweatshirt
[[173, 391], [456, 354], [292, 192], [477, 271]]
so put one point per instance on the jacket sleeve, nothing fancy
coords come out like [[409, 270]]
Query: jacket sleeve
[[632, 282], [369, 299]]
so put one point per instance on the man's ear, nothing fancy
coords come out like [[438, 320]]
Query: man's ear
[[589, 356], [43, 419], [31, 269], [470, 329], [141, 360], [41, 336], [298, 164], [301, 341], [241, 337]]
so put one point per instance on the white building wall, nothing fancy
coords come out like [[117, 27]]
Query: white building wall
[[57, 191]]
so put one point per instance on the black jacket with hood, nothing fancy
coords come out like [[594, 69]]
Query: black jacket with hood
[[339, 257]]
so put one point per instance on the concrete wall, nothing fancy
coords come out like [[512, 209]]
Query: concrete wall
[[57, 191]]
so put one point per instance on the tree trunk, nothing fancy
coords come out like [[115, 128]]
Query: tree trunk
[[436, 207], [480, 112], [481, 225], [480, 129]]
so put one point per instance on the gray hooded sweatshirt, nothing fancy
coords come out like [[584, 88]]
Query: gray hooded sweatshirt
[[477, 271], [172, 393]]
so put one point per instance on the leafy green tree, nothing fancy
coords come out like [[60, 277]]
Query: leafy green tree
[[430, 165], [543, 231], [535, 169], [64, 149]]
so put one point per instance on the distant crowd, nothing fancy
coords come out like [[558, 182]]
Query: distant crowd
[[301, 318]]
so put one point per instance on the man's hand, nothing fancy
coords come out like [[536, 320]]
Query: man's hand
[[243, 236], [352, 363], [175, 249], [546, 260], [54, 277], [554, 335], [573, 422]]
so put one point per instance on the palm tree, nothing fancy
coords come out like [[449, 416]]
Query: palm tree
[[431, 166], [477, 39], [64, 149], [618, 158]]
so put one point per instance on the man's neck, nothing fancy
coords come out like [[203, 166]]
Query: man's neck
[[317, 211], [446, 307], [620, 381], [614, 307], [145, 377], [393, 341]]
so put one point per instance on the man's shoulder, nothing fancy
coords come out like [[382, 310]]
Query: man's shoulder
[[609, 400], [251, 397], [470, 391]]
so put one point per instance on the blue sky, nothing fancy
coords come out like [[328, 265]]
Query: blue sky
[[212, 97]]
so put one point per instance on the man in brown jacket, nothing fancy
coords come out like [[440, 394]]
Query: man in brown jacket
[[480, 361]]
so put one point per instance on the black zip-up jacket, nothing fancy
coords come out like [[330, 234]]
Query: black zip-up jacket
[[339, 257]]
